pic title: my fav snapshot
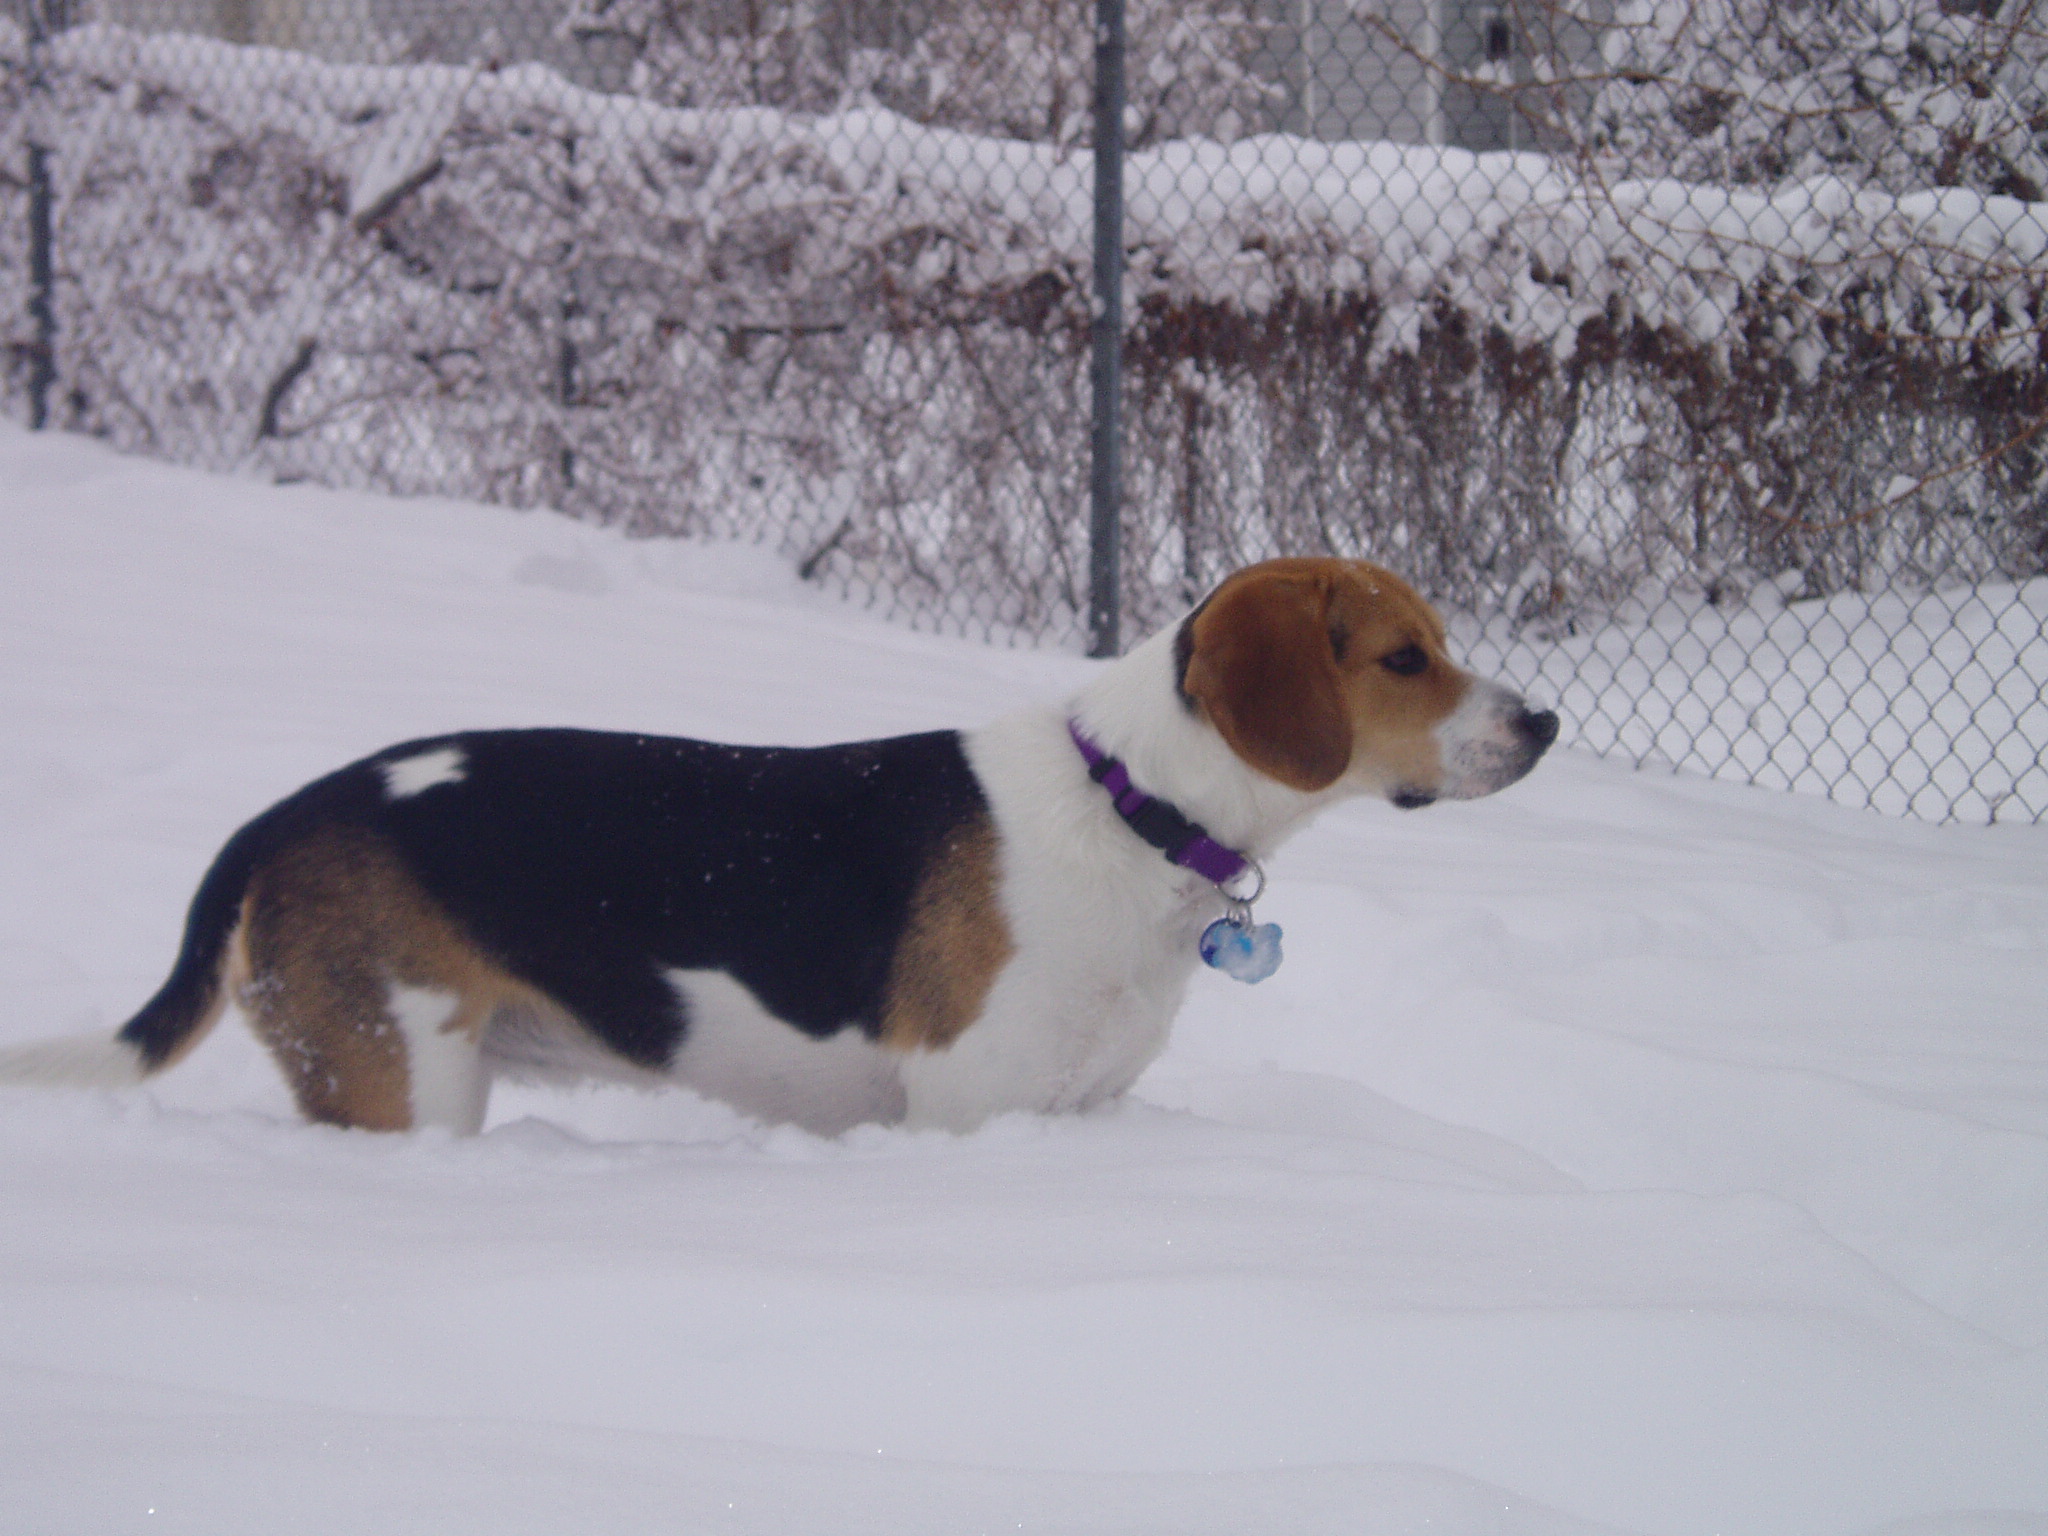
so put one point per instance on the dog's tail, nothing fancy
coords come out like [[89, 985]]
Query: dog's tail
[[185, 1006]]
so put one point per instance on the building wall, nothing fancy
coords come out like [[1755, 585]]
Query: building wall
[[1395, 69], [1419, 71], [375, 31], [1350, 76]]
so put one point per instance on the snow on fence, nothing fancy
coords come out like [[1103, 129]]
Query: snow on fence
[[1747, 480]]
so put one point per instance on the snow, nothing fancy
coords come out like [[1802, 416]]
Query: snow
[[1625, 1152], [1928, 705]]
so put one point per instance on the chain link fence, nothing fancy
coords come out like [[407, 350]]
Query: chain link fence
[[1687, 352]]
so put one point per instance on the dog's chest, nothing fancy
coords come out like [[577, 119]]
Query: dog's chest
[[1078, 1014], [1107, 1024]]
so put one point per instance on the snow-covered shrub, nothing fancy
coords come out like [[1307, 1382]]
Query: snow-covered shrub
[[1540, 387], [1899, 94], [17, 330], [1021, 69]]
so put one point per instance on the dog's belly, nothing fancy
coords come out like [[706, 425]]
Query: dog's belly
[[1048, 1042], [1055, 1037], [737, 1051]]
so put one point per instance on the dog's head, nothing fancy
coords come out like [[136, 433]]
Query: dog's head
[[1332, 673]]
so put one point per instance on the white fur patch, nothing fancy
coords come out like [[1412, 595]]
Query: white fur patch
[[445, 1070], [1481, 748], [736, 1050], [410, 775], [74, 1061], [1104, 927]]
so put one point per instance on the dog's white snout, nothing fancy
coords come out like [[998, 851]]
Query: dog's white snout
[[1492, 739]]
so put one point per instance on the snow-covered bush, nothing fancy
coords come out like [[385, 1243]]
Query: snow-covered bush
[[1021, 69], [17, 330], [1899, 94], [1539, 388]]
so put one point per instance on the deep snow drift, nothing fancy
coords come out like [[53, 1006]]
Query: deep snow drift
[[1621, 1153]]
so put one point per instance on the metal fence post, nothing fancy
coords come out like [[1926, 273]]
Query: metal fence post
[[1107, 332], [44, 16], [42, 306]]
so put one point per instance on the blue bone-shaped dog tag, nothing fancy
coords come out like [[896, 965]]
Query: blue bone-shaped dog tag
[[1246, 951]]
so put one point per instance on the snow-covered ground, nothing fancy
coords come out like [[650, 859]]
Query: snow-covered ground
[[1625, 1152]]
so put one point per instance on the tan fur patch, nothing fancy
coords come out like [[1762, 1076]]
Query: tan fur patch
[[953, 945], [328, 927], [1263, 670], [1287, 664]]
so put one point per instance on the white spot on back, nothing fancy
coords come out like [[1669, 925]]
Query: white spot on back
[[423, 770]]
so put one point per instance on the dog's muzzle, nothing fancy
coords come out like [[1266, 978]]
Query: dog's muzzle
[[1492, 739]]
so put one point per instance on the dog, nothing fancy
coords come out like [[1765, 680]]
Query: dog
[[931, 929]]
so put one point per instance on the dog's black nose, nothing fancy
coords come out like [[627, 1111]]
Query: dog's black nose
[[1540, 726]]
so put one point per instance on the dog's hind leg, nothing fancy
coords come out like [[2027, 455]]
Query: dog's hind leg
[[369, 997], [447, 1083]]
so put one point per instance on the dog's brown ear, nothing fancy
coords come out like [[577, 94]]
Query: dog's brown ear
[[1263, 667]]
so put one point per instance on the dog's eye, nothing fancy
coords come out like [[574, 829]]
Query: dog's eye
[[1407, 661]]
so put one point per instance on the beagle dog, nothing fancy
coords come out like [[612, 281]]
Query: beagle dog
[[931, 929]]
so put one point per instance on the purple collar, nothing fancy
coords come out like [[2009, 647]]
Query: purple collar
[[1161, 824]]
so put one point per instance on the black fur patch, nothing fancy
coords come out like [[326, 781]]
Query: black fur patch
[[588, 863], [1183, 654]]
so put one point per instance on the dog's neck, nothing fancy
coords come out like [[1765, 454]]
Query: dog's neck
[[1134, 710]]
